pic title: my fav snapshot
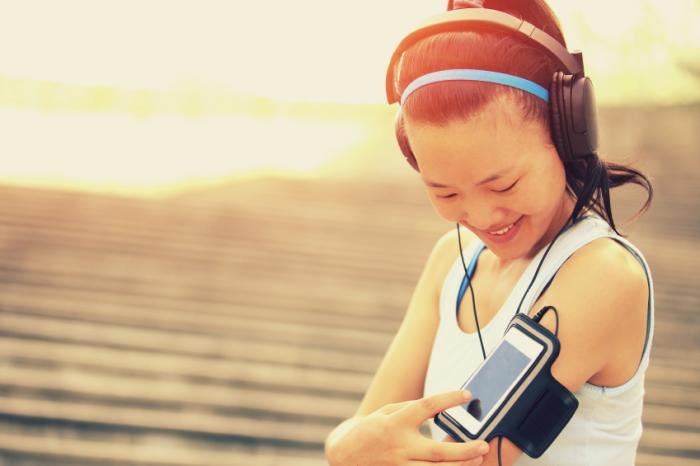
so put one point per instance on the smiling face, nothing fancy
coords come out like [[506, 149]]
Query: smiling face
[[496, 170]]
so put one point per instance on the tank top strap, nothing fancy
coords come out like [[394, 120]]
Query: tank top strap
[[650, 297], [456, 274], [480, 246]]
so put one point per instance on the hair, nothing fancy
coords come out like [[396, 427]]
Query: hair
[[588, 179]]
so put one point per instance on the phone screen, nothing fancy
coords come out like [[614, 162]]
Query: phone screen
[[495, 378], [491, 382]]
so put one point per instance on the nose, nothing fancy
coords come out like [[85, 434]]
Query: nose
[[483, 216]]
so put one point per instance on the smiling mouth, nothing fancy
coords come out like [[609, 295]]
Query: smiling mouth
[[500, 232], [503, 230]]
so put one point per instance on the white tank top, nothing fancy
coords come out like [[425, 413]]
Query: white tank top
[[607, 426]]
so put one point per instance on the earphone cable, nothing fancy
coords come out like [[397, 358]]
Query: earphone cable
[[476, 319], [527, 290], [469, 283]]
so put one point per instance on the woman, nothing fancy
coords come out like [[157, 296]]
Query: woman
[[492, 161]]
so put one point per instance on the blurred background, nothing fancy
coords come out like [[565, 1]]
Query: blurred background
[[208, 236]]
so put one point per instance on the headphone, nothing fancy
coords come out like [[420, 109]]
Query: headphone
[[572, 107]]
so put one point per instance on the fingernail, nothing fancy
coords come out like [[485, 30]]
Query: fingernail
[[467, 394], [483, 449]]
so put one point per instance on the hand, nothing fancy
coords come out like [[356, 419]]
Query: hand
[[390, 436]]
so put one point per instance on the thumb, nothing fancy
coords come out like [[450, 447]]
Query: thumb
[[448, 439], [417, 411]]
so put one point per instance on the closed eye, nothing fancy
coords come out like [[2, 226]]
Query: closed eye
[[494, 190], [508, 188]]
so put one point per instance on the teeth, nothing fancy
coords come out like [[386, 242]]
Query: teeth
[[502, 231]]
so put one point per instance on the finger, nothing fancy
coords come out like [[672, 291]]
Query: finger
[[425, 449], [417, 411], [393, 407], [449, 439]]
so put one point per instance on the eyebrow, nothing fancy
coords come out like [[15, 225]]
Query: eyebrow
[[485, 180]]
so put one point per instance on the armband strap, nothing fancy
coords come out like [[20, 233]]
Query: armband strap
[[534, 430]]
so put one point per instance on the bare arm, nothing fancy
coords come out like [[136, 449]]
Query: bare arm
[[592, 309]]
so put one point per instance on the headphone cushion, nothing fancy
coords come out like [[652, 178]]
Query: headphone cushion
[[555, 114], [566, 108]]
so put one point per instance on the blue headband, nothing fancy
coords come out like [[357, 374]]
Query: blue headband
[[476, 75]]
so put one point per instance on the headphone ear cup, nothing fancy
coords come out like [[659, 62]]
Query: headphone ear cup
[[555, 115], [403, 141], [582, 117], [565, 115]]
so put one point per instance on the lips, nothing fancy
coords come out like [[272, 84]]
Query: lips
[[496, 231], [502, 231], [505, 237]]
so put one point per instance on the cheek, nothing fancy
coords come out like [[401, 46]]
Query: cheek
[[537, 198], [545, 195]]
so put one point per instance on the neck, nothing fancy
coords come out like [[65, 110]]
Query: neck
[[560, 219]]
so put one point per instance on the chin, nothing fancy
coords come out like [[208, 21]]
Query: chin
[[507, 253]]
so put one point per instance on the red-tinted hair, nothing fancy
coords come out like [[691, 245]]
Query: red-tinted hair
[[588, 179]]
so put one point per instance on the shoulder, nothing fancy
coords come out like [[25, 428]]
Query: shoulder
[[604, 268], [595, 291]]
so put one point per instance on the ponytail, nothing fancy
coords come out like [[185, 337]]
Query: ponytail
[[590, 180]]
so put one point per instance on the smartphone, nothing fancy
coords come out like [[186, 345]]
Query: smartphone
[[492, 385]]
